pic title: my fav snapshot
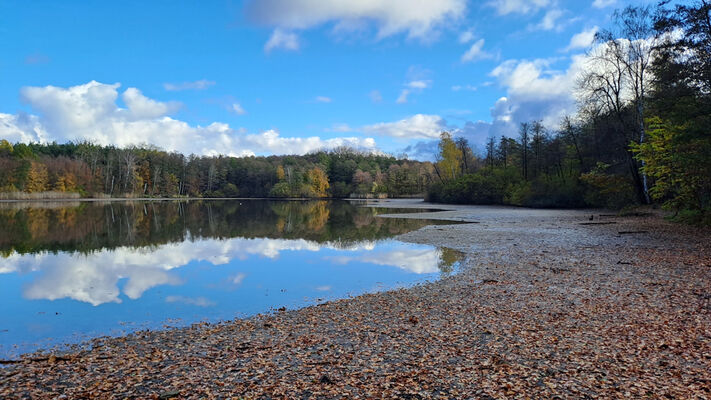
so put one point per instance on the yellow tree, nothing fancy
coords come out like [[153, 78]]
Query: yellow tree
[[5, 148], [449, 158], [66, 182], [37, 178], [318, 181], [280, 173]]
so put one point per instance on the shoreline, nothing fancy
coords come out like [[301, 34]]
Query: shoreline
[[547, 303]]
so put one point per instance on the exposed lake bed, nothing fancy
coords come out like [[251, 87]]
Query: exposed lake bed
[[546, 304]]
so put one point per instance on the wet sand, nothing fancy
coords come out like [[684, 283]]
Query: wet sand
[[549, 303]]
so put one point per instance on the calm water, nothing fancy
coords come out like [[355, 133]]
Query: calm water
[[73, 271]]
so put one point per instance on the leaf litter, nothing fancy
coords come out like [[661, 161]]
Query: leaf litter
[[545, 308]]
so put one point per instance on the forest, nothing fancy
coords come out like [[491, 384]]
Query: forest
[[88, 170], [642, 134]]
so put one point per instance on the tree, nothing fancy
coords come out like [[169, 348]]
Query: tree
[[524, 134], [6, 148], [449, 157], [318, 181], [280, 174], [37, 178], [618, 79], [467, 154], [490, 151]]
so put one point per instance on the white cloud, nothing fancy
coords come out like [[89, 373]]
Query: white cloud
[[142, 107], [417, 261], [90, 112], [416, 81], [418, 20], [238, 279], [270, 141], [238, 109], [23, 128], [419, 84], [476, 52], [466, 37], [603, 3], [549, 20], [583, 39], [323, 99], [196, 85], [534, 91], [416, 126], [402, 99], [94, 278], [282, 40], [504, 7]]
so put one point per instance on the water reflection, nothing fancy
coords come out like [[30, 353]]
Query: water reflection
[[109, 268]]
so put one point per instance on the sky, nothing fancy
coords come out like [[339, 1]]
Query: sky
[[266, 77]]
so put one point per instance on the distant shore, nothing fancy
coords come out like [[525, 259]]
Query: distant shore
[[109, 199], [567, 303]]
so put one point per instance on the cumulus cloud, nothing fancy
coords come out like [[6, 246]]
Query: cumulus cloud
[[270, 141], [534, 91], [202, 84], [141, 107], [416, 126], [583, 39], [90, 112], [418, 20], [476, 52], [282, 40], [22, 128], [504, 7]]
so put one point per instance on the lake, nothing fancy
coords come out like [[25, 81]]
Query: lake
[[71, 271]]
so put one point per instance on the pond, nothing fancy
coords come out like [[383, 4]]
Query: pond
[[75, 271]]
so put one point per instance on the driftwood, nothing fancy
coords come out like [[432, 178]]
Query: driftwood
[[630, 232], [598, 223]]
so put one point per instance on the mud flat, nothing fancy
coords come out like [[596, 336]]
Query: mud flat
[[549, 303]]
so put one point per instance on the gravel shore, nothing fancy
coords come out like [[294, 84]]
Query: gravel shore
[[549, 303]]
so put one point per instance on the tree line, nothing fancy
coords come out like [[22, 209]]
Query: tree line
[[89, 170], [641, 135]]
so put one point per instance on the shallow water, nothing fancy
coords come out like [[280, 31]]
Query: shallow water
[[77, 271]]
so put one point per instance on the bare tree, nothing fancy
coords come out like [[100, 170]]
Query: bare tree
[[618, 79], [524, 134]]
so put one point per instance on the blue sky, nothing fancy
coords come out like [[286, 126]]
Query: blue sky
[[289, 76]]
